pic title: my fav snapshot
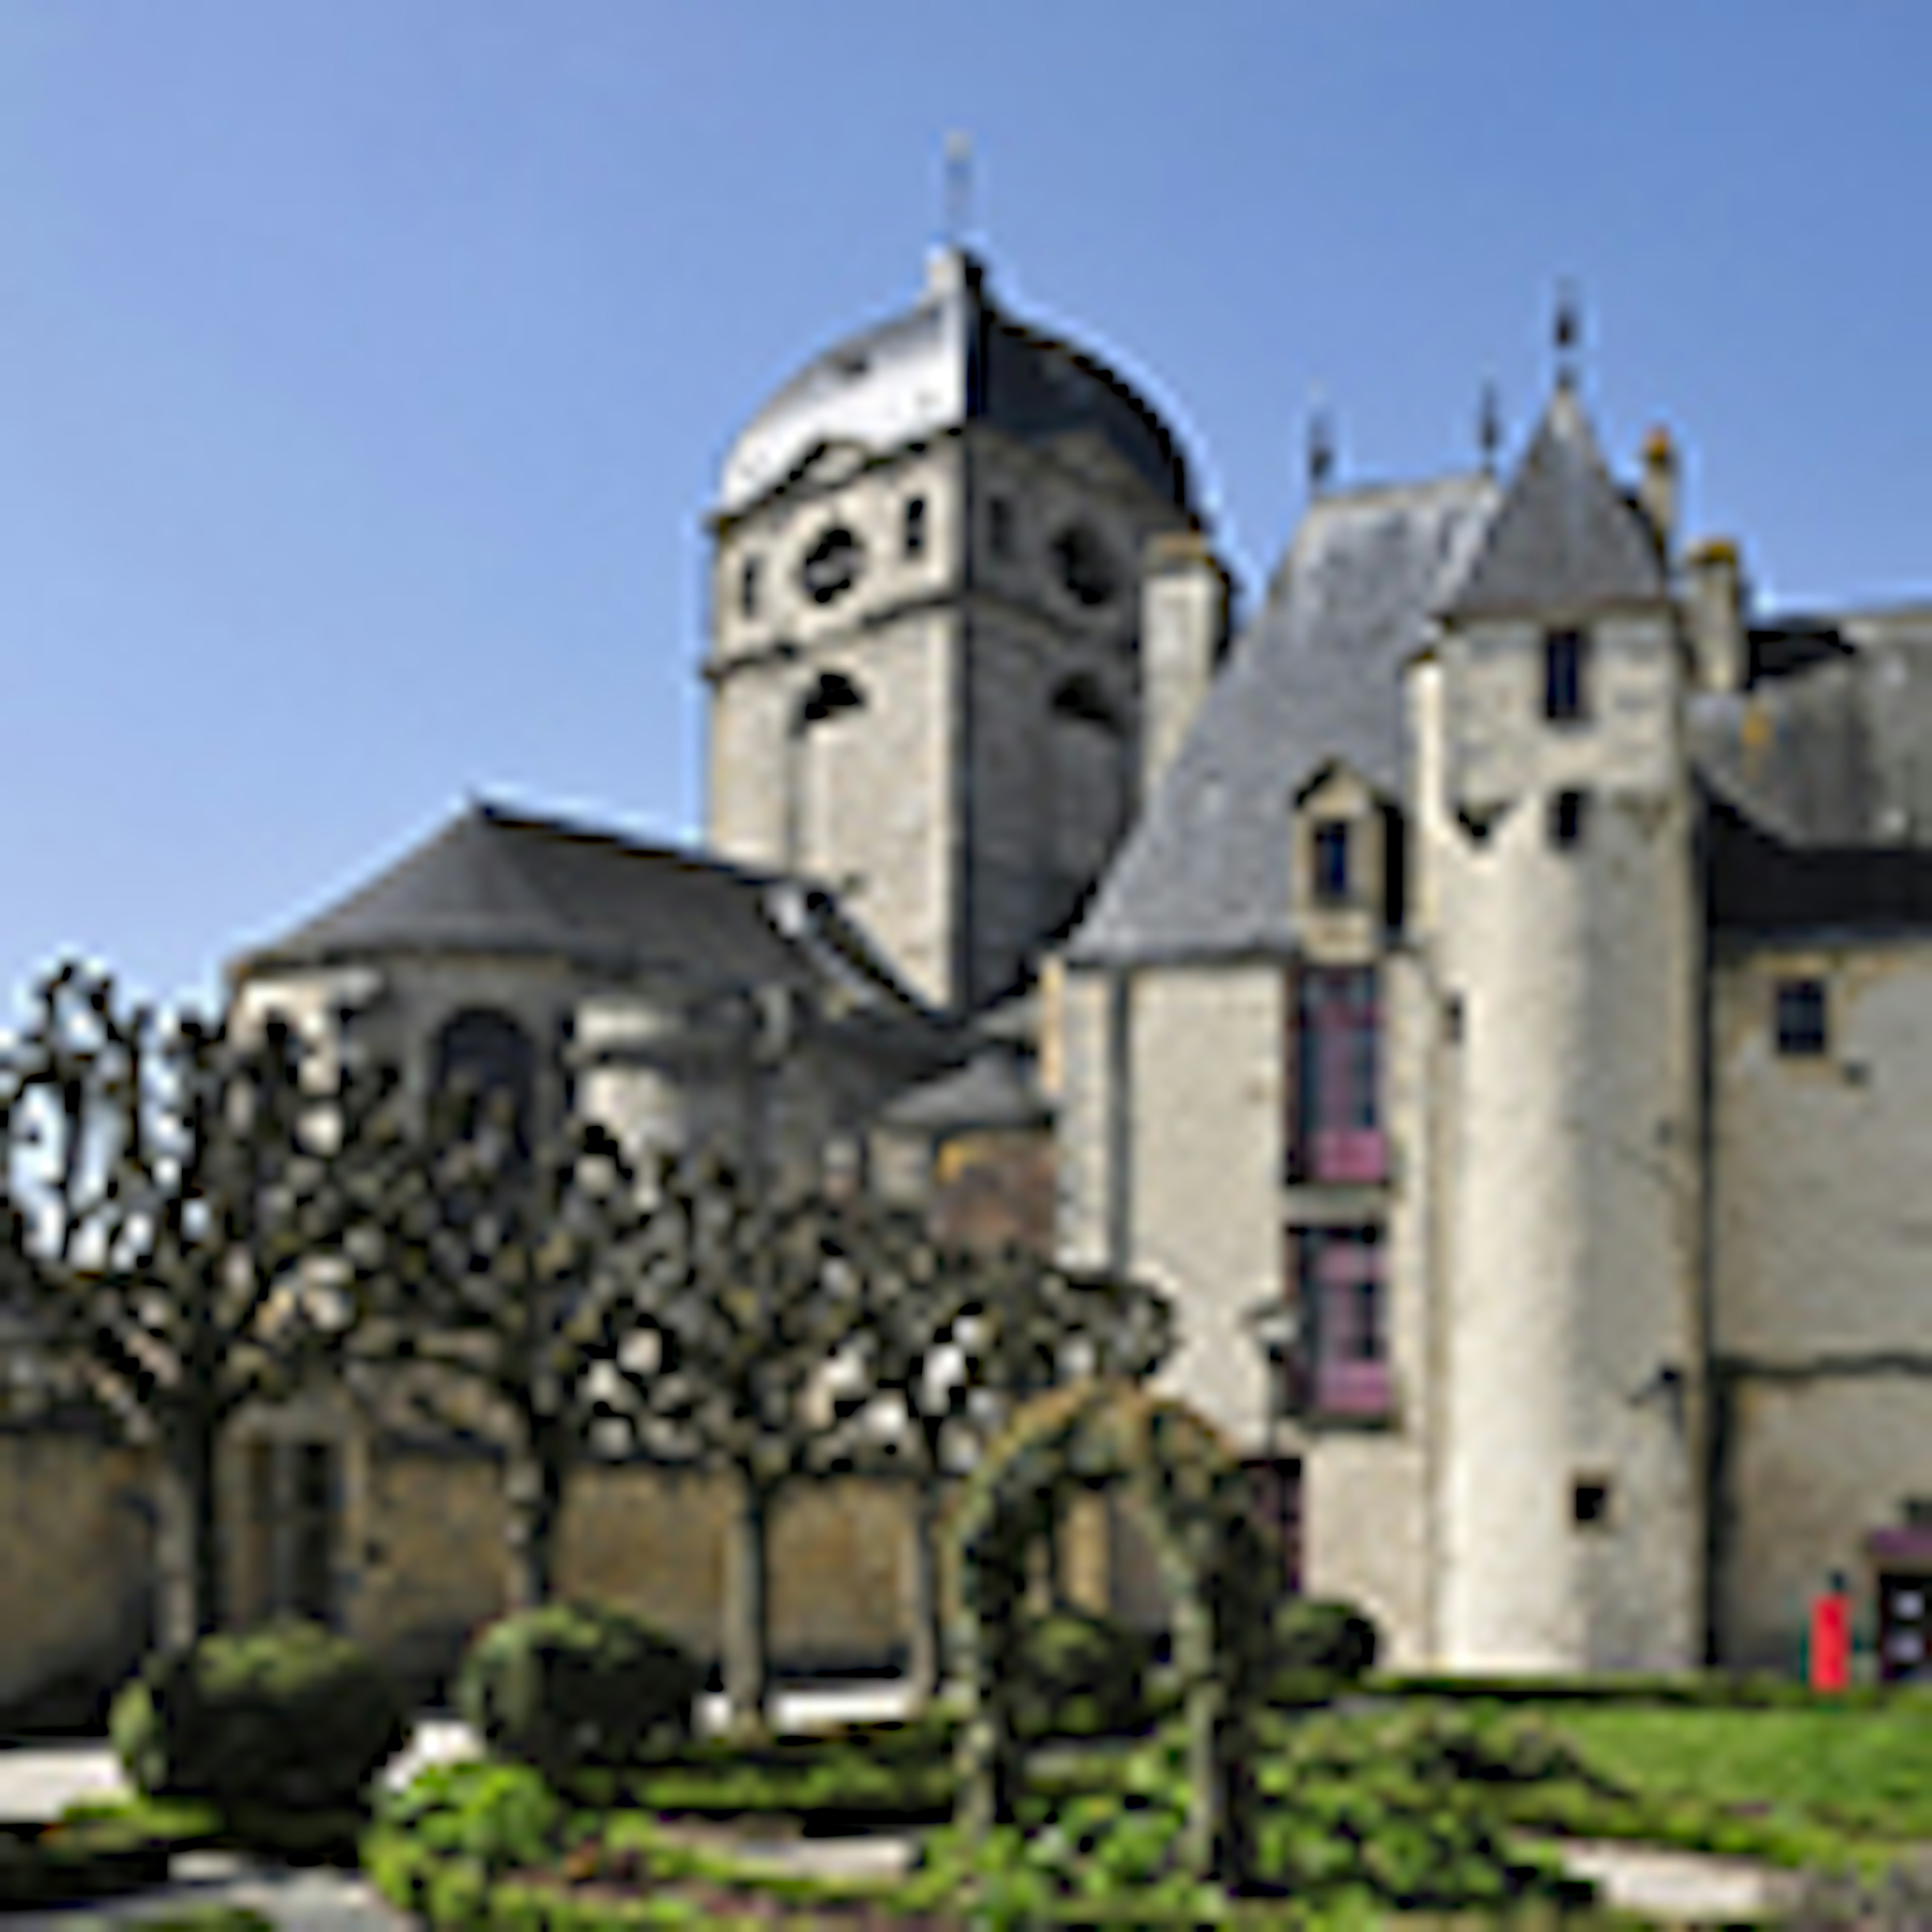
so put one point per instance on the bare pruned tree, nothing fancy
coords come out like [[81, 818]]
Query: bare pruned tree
[[178, 1200]]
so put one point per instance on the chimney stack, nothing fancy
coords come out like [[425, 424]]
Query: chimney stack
[[1184, 632], [1716, 596], [1657, 492]]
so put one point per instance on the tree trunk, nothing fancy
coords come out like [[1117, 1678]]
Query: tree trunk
[[748, 1661], [925, 1664], [535, 1499], [190, 1565]]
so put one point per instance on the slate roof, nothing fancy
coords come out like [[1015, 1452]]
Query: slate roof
[[1316, 677], [1757, 884], [1566, 542], [955, 357], [499, 882], [1836, 752], [993, 1090]]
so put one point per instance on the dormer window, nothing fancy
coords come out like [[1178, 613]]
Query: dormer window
[[1565, 676], [1329, 850]]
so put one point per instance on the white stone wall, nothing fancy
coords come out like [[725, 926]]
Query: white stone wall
[[1821, 1241], [1499, 746], [1084, 1101], [1205, 1173], [1571, 1269]]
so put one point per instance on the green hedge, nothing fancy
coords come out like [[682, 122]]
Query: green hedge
[[286, 1718], [574, 1686]]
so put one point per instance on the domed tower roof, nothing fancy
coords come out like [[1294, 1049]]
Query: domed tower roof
[[953, 358]]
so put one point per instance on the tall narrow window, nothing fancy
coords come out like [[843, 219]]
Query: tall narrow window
[[1565, 676], [1336, 1133], [747, 589], [1803, 1025], [1566, 813], [915, 527], [1342, 1295], [1330, 854]]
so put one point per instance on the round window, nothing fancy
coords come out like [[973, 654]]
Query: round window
[[831, 566]]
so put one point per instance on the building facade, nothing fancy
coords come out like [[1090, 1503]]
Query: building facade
[[1505, 996], [1490, 989]]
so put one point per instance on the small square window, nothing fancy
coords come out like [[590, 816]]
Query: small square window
[[1567, 811], [915, 526], [1801, 1019], [1000, 526], [1331, 849], [1590, 1502], [1565, 656]]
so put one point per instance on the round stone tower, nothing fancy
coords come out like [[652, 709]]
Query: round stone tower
[[1557, 846]]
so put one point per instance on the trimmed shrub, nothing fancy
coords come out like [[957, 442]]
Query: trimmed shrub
[[1081, 1676], [290, 1717], [574, 1686], [1332, 1639]]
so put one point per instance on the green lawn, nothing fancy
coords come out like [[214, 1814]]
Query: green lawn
[[1866, 1773]]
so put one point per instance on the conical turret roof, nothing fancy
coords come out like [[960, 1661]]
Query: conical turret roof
[[1566, 541]]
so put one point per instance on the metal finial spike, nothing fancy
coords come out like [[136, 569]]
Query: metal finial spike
[[1490, 428], [959, 186], [1569, 333], [1321, 452]]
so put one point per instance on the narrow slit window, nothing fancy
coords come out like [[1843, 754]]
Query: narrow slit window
[[1565, 676], [915, 527], [747, 589], [1568, 810]]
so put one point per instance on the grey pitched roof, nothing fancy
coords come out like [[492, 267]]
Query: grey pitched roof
[[1837, 752], [1567, 541], [956, 357], [1316, 677], [499, 882], [1757, 883], [995, 1089]]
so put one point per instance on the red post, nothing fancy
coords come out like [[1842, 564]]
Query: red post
[[1831, 1639]]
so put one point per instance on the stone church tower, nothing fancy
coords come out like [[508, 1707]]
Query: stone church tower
[[926, 653]]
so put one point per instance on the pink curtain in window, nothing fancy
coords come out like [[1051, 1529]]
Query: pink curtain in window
[[1352, 1375], [1340, 1032]]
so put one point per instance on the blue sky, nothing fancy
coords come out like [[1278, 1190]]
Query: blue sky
[[365, 369]]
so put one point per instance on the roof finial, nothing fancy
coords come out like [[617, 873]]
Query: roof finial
[[1320, 446], [1490, 428], [1569, 333], [958, 188]]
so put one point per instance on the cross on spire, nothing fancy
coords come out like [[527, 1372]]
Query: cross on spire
[[958, 188], [1568, 332]]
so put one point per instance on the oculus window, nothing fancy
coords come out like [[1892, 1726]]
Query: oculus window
[[831, 565]]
